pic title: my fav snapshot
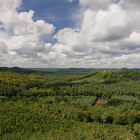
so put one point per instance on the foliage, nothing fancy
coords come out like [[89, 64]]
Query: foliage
[[70, 105]]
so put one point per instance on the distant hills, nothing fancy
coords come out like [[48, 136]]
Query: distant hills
[[71, 70], [61, 70], [15, 69], [80, 70]]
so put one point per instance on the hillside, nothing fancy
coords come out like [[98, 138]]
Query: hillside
[[15, 69], [69, 105]]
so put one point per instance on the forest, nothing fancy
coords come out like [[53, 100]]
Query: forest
[[69, 104]]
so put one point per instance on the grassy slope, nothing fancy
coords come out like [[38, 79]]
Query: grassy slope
[[70, 117]]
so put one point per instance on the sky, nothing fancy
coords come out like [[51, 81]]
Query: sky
[[57, 12], [70, 33]]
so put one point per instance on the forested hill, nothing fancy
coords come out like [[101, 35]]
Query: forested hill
[[15, 69], [69, 104], [74, 70], [64, 70]]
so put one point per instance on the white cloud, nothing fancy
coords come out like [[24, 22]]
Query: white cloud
[[23, 37], [108, 36], [103, 26], [96, 4], [130, 4]]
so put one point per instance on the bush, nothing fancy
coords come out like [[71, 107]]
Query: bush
[[85, 117], [120, 120], [107, 118], [114, 102]]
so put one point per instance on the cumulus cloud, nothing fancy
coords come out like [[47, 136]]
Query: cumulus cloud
[[131, 5], [107, 36], [95, 4], [20, 37]]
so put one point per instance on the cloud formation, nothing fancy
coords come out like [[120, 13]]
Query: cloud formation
[[108, 35], [21, 38]]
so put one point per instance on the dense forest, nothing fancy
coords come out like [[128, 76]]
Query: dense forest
[[69, 104]]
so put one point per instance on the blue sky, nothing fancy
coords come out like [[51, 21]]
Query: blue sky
[[70, 33], [57, 12]]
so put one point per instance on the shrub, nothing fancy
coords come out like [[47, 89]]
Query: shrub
[[85, 117], [107, 118]]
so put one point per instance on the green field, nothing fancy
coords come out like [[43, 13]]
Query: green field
[[81, 104]]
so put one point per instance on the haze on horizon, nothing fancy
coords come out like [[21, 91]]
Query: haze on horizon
[[70, 33]]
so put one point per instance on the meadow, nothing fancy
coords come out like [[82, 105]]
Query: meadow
[[69, 104]]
